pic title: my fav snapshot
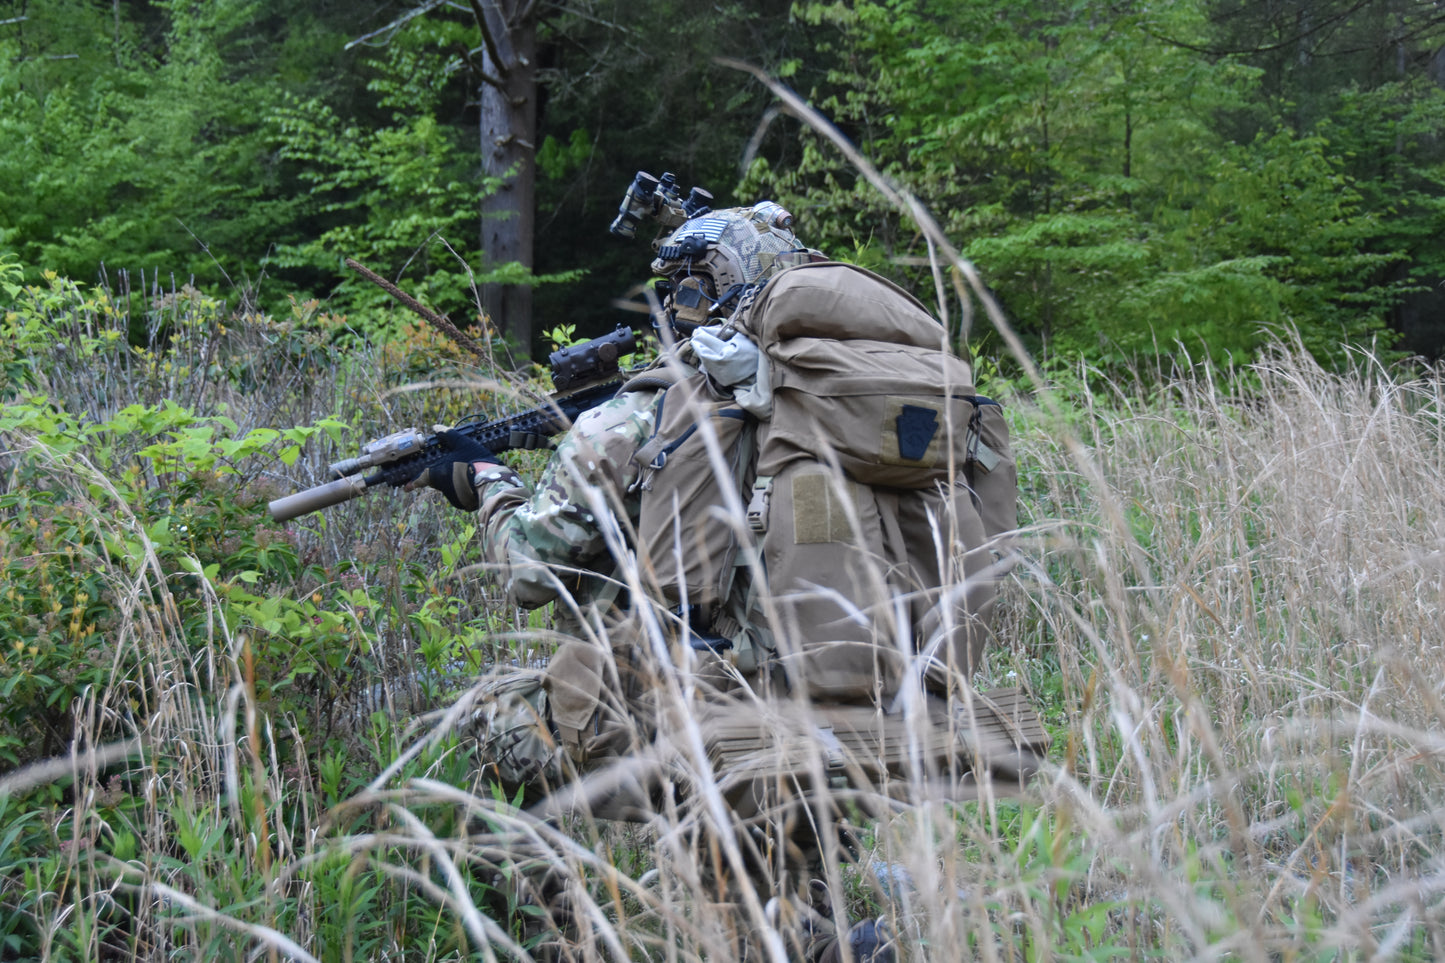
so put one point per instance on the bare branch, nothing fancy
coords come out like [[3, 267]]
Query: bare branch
[[442, 324], [469, 61], [494, 38], [577, 13], [398, 23], [1287, 42], [755, 142]]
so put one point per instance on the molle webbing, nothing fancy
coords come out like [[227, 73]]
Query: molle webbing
[[989, 730]]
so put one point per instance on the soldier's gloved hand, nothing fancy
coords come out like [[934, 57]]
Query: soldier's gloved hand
[[452, 471]]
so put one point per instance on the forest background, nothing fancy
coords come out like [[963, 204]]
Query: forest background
[[1217, 226], [1126, 175]]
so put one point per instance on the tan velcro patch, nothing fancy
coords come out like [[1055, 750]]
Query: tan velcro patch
[[819, 513]]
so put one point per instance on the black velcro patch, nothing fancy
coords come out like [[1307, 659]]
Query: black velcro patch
[[916, 428]]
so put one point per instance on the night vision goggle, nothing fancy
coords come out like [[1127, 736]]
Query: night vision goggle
[[659, 198]]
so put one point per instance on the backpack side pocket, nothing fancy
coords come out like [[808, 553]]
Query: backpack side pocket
[[693, 473]]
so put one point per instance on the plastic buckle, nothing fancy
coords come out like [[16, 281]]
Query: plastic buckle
[[758, 504]]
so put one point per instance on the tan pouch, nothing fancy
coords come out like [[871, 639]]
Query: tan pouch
[[951, 582], [891, 415], [574, 686], [688, 536], [829, 588], [991, 470]]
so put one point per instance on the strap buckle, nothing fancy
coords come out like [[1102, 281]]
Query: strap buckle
[[758, 504]]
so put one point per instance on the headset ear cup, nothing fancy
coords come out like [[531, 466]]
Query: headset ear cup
[[691, 301]]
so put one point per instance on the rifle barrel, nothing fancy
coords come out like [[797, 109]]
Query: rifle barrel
[[315, 499]]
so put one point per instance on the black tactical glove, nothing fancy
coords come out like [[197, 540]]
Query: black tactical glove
[[451, 472]]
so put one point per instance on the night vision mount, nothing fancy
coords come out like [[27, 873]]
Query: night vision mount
[[661, 199]]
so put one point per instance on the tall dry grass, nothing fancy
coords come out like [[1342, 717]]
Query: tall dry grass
[[1227, 607], [1240, 582]]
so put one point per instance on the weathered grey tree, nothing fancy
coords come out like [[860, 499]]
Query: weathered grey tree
[[507, 93], [504, 68]]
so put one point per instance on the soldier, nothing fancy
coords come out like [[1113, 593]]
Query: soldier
[[555, 542], [889, 517]]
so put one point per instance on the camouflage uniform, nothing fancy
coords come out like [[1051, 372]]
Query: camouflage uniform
[[549, 544], [534, 538], [546, 545]]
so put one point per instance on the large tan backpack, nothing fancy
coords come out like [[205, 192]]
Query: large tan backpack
[[871, 505]]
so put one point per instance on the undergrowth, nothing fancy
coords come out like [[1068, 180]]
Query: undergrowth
[[223, 737]]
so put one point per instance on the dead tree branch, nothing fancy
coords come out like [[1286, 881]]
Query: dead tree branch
[[441, 323]]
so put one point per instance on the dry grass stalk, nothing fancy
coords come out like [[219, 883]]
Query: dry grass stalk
[[1229, 607]]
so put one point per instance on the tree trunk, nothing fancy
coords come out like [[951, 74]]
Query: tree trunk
[[508, 139]]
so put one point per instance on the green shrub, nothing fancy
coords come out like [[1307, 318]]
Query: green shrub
[[147, 595]]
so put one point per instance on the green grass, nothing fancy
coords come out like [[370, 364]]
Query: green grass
[[1227, 608]]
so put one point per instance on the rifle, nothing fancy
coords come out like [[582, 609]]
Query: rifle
[[585, 376]]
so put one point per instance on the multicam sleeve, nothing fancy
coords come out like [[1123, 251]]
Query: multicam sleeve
[[533, 537]]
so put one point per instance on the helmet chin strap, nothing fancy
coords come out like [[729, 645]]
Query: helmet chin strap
[[680, 329]]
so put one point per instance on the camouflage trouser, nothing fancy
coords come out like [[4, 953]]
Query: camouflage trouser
[[536, 728], [512, 726]]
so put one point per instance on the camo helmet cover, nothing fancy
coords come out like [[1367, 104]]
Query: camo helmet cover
[[728, 250]]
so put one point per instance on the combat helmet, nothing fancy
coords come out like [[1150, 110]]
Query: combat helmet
[[711, 259], [707, 260]]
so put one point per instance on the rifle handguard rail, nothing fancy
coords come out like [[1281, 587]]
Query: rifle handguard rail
[[401, 456]]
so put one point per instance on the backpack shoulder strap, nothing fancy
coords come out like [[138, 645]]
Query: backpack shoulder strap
[[653, 379]]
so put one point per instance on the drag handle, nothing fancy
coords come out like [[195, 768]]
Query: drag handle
[[315, 499]]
